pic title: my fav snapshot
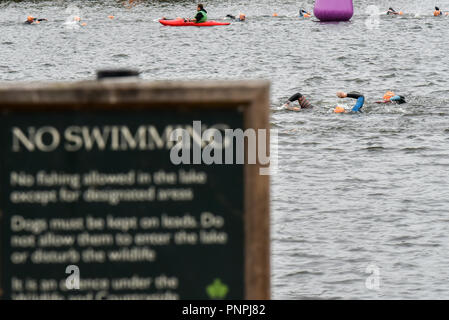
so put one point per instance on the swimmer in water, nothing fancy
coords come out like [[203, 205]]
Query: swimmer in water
[[393, 12], [303, 103], [391, 97], [354, 95], [439, 12], [304, 14], [241, 17], [31, 20]]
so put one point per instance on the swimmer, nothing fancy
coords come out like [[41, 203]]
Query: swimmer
[[393, 12], [304, 14], [354, 95], [241, 17], [31, 20], [303, 103], [439, 12], [391, 97]]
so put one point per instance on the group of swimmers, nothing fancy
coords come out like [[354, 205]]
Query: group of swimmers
[[303, 103], [436, 13], [201, 15]]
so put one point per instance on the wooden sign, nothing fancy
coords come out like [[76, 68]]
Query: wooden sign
[[97, 201]]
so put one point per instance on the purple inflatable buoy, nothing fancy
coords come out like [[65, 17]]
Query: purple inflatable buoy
[[333, 10]]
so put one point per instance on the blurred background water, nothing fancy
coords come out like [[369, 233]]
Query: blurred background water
[[352, 191]]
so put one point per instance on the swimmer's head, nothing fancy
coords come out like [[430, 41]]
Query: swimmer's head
[[30, 18], [242, 16], [306, 15], [388, 95], [275, 14], [339, 109], [401, 13], [76, 18]]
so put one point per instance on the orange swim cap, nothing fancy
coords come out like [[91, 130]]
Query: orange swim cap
[[76, 18], [84, 24], [339, 109], [111, 17], [401, 13], [30, 18], [306, 15], [275, 14], [388, 95]]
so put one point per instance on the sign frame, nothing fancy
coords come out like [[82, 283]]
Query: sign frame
[[252, 96]]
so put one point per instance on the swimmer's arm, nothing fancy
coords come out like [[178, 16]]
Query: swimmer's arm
[[301, 99], [354, 95], [294, 97]]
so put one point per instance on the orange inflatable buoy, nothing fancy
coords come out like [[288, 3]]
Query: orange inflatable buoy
[[339, 109]]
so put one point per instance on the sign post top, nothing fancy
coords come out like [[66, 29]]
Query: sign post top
[[117, 92]]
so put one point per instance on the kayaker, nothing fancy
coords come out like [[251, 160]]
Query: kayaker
[[391, 97], [354, 95], [304, 14], [201, 15], [31, 20], [303, 103], [241, 17]]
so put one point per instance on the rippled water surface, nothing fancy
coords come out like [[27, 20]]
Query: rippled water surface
[[351, 190]]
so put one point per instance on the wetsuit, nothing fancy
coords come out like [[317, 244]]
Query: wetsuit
[[360, 101], [35, 19], [201, 16], [301, 99], [302, 12]]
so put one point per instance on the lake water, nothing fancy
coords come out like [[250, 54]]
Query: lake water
[[352, 191]]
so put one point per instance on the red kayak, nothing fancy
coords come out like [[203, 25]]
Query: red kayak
[[182, 23]]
